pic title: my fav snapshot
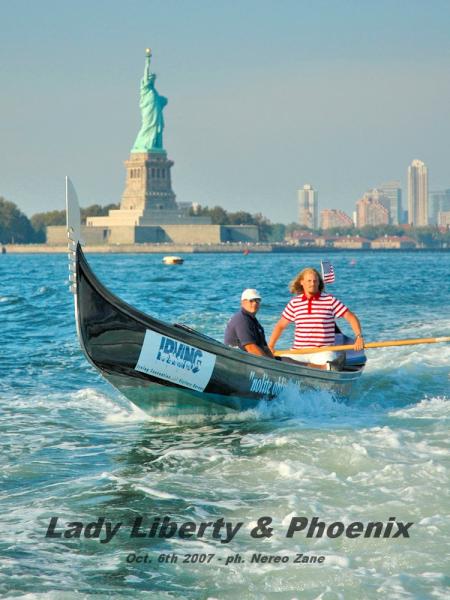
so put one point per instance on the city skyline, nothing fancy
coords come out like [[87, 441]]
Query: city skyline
[[382, 205], [254, 112]]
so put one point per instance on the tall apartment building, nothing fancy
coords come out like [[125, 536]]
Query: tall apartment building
[[393, 192], [417, 194], [376, 194], [439, 203], [332, 217], [308, 207], [370, 211]]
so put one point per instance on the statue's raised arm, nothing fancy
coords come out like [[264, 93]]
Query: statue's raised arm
[[148, 58], [150, 136]]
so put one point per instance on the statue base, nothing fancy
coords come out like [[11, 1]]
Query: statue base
[[148, 183]]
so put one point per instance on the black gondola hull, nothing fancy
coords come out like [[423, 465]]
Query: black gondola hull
[[168, 369]]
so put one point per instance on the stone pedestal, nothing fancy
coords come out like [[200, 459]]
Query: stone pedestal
[[148, 183]]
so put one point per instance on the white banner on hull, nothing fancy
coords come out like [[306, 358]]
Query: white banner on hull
[[172, 360]]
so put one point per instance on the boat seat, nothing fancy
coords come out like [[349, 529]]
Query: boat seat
[[353, 360]]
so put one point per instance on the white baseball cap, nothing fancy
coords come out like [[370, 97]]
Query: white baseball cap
[[250, 294]]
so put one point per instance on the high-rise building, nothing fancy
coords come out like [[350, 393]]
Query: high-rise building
[[370, 211], [378, 195], [439, 202], [308, 207], [418, 194], [393, 192], [331, 217]]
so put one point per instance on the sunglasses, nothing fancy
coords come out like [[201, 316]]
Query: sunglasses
[[258, 300]]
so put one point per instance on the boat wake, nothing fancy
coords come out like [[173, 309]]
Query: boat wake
[[401, 377], [310, 409], [429, 408]]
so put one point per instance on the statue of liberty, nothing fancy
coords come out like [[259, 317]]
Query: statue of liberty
[[150, 136]]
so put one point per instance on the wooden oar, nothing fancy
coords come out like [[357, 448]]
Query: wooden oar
[[435, 340]]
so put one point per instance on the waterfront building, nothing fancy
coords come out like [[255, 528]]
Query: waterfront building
[[354, 242], [308, 207], [332, 217], [326, 241], [303, 238], [391, 242], [371, 211], [439, 202], [417, 194], [393, 193]]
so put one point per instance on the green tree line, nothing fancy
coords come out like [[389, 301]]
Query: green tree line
[[268, 232], [17, 228]]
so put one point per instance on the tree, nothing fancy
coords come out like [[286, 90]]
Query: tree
[[268, 232], [372, 232], [240, 218], [219, 216], [338, 231], [15, 227], [40, 221], [427, 236]]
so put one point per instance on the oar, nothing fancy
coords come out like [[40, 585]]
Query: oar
[[435, 340]]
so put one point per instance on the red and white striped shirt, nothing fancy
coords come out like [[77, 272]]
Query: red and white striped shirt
[[314, 319]]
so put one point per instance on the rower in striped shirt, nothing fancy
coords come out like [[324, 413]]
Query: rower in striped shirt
[[313, 313]]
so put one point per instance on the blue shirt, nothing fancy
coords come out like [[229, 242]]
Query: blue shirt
[[244, 328]]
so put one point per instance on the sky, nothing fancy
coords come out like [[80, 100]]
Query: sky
[[264, 97]]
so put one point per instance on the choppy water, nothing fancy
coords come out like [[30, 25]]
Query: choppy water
[[72, 447]]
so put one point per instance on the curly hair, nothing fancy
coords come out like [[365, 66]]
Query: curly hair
[[297, 288]]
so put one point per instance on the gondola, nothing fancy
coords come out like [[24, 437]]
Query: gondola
[[168, 369]]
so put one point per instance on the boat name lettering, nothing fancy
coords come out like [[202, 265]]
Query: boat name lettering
[[180, 355], [267, 386]]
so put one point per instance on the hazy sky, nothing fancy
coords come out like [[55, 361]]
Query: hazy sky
[[264, 96]]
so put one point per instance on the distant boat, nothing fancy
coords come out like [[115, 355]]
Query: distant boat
[[173, 260], [171, 368]]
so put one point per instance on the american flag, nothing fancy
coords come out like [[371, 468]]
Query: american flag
[[327, 271]]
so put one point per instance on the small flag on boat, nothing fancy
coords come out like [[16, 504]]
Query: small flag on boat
[[327, 271]]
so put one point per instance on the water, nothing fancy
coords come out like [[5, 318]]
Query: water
[[72, 447]]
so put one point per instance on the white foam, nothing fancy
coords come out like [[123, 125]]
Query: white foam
[[337, 561], [384, 436], [328, 592], [429, 408], [194, 455], [132, 415], [359, 449], [12, 299], [153, 492]]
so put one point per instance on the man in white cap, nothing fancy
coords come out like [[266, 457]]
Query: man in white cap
[[244, 330]]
